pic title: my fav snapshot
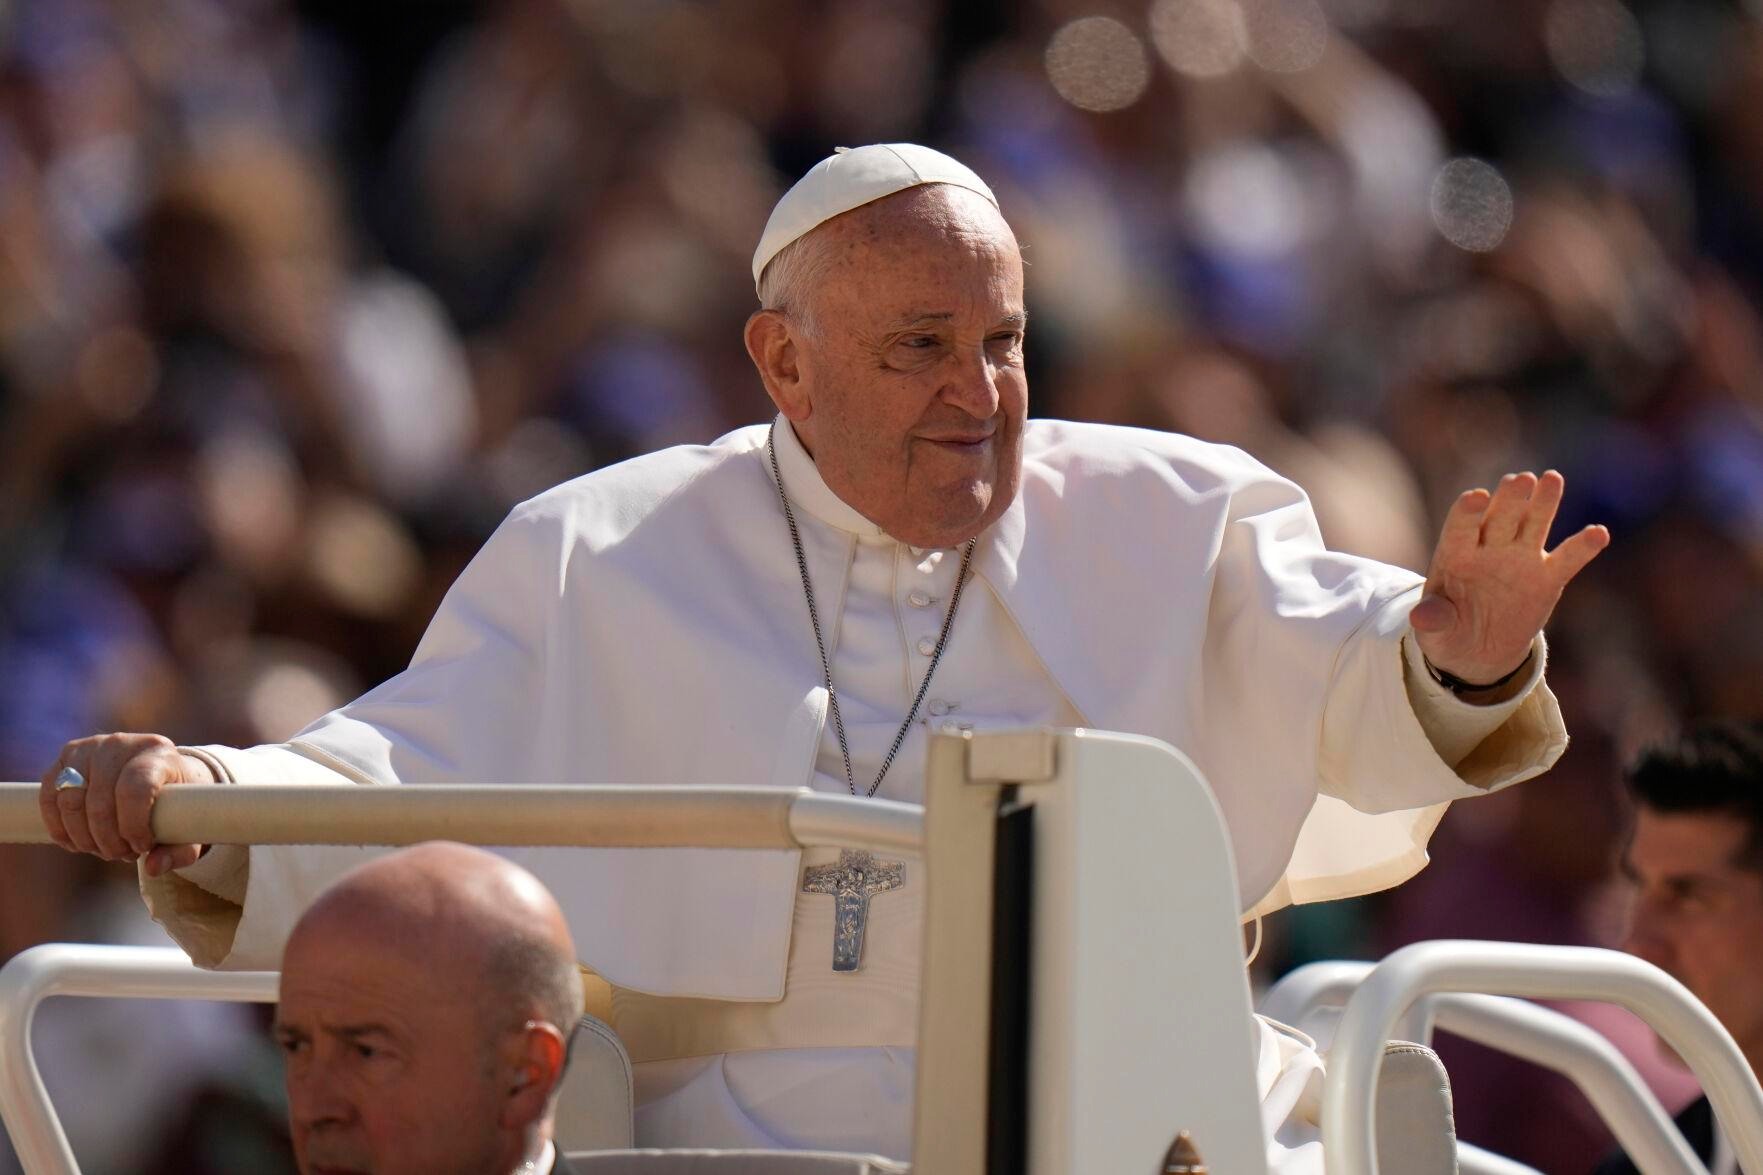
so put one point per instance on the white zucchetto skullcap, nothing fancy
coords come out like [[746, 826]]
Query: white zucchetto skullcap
[[850, 178]]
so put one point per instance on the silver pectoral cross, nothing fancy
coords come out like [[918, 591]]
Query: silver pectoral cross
[[852, 882]]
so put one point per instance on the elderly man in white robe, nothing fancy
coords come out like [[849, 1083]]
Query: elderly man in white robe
[[799, 603]]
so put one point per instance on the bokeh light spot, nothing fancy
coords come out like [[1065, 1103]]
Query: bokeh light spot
[[1471, 205], [1247, 199], [1595, 45], [1285, 36], [1097, 63], [1199, 38]]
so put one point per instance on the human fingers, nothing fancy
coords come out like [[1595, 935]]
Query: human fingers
[[88, 815], [139, 785], [1544, 501], [165, 858], [1507, 509], [1434, 613], [48, 809], [109, 757], [128, 770], [70, 802], [1462, 529], [1571, 557]]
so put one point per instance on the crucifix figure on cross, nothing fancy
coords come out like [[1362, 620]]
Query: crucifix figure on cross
[[856, 878]]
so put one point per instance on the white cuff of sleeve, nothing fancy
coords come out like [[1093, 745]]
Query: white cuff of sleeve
[[1452, 724], [220, 870]]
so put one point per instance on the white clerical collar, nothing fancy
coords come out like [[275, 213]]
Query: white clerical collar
[[807, 489]]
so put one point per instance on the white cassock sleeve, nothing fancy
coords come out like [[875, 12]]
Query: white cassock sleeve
[[462, 712], [1426, 745], [1309, 699]]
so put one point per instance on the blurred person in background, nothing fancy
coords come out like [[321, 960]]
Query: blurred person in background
[[1694, 861]]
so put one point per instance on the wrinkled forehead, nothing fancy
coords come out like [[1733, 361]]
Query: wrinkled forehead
[[356, 984], [927, 214], [342, 941], [935, 243]]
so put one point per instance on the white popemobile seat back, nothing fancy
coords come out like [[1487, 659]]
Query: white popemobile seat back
[[1083, 969]]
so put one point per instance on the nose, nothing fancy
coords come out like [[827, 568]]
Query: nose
[[1647, 939], [972, 383], [314, 1101]]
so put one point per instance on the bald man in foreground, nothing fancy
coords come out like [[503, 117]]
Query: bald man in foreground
[[427, 1002]]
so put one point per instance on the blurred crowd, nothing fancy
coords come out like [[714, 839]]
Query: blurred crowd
[[297, 299]]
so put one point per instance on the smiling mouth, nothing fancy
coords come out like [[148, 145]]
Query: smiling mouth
[[961, 444]]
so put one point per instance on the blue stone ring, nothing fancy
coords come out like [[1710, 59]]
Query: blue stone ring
[[69, 779]]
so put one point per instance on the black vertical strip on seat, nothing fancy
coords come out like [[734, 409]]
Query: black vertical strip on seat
[[1012, 959]]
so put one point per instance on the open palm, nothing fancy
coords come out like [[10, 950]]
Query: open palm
[[1492, 585]]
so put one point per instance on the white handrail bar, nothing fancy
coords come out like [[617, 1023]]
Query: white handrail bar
[[1304, 990], [1537, 972], [34, 975], [1328, 984], [656, 816], [1542, 1036], [1562, 1044], [1472, 1160]]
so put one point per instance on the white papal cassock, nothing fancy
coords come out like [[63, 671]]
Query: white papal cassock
[[645, 624]]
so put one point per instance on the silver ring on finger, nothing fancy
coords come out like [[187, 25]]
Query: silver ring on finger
[[69, 779]]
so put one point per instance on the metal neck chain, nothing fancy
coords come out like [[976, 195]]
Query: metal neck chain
[[826, 666]]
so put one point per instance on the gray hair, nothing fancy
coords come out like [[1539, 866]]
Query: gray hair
[[788, 282], [527, 976]]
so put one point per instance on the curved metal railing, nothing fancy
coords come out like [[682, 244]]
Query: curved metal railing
[[1537, 972], [70, 969], [1519, 1028]]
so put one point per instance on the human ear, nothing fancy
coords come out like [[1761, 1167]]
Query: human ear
[[535, 1057], [772, 346]]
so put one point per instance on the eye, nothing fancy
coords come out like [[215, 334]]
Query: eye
[[291, 1046], [366, 1051], [1688, 897], [918, 342]]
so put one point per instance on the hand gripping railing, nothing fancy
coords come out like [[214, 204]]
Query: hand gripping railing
[[1524, 1030], [1537, 972], [508, 815]]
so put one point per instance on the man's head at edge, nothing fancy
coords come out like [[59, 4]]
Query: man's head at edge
[[427, 1002], [1695, 860]]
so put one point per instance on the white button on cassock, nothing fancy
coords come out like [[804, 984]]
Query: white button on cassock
[[927, 645], [918, 600], [938, 707]]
